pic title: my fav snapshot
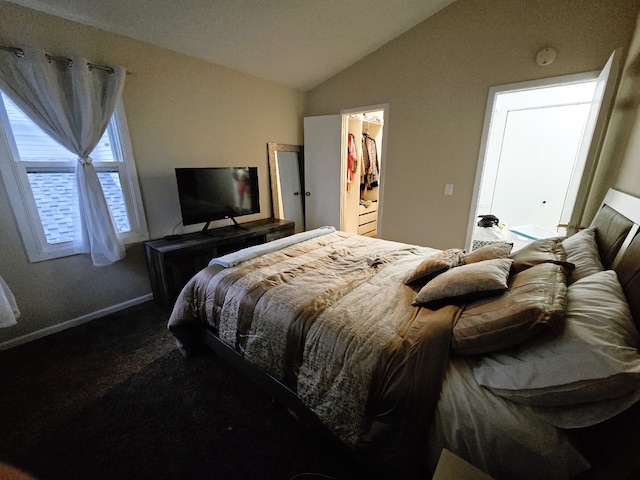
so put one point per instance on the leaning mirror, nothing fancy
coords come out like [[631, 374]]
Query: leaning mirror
[[286, 174]]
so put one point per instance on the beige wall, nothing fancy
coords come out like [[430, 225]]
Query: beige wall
[[184, 112], [436, 79], [619, 165], [181, 112]]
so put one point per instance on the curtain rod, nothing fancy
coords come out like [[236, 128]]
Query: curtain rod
[[20, 54]]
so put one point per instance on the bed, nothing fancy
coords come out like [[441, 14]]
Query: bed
[[523, 363]]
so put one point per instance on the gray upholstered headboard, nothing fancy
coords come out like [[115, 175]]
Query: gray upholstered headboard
[[617, 223], [628, 270]]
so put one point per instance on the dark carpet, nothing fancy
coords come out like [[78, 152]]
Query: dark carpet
[[114, 399]]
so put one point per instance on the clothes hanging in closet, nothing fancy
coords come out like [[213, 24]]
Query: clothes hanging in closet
[[370, 167], [352, 158]]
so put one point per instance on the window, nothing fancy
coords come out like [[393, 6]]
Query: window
[[39, 175]]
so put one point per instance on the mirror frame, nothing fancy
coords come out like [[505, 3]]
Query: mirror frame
[[276, 199]]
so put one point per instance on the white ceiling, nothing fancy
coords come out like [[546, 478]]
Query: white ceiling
[[298, 43]]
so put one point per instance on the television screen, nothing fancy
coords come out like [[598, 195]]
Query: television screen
[[213, 193]]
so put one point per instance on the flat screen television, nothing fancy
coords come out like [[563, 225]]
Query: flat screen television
[[214, 193]]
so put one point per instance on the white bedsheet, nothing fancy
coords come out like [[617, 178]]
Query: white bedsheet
[[496, 435]]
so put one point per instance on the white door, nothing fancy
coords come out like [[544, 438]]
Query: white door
[[323, 174], [535, 169], [591, 144]]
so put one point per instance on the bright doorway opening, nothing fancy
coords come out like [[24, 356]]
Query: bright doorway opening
[[540, 146], [531, 155]]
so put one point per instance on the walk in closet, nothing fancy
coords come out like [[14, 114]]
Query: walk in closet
[[344, 164], [364, 143]]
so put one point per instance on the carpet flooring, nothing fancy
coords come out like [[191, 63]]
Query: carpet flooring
[[114, 399]]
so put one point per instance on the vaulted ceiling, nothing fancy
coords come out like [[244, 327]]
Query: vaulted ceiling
[[297, 43]]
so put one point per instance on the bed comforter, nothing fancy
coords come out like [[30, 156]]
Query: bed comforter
[[332, 318]]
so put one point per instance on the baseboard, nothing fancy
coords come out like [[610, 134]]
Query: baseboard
[[74, 322]]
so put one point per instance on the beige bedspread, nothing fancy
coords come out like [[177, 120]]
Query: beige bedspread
[[332, 319]]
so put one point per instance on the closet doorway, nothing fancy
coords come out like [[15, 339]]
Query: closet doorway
[[365, 141], [344, 169], [540, 145]]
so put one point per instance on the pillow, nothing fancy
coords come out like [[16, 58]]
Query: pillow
[[434, 265], [545, 250], [488, 252], [465, 283], [612, 229], [536, 300], [595, 358], [583, 415], [582, 250]]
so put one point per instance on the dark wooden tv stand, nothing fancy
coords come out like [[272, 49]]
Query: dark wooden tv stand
[[172, 261]]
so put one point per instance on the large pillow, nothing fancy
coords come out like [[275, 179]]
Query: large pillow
[[434, 265], [545, 250], [594, 358], [465, 283], [535, 301], [583, 415], [582, 251], [488, 252]]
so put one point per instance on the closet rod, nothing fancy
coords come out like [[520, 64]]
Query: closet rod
[[20, 54], [366, 118]]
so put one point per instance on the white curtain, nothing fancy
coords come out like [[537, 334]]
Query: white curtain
[[74, 104], [8, 308]]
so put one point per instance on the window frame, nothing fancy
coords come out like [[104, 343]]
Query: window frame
[[14, 173]]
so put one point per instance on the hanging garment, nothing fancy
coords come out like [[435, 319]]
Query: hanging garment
[[352, 158], [370, 167]]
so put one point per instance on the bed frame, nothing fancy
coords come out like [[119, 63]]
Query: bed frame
[[609, 446], [278, 390], [617, 223]]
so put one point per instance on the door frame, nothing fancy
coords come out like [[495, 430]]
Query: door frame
[[383, 157], [590, 148], [491, 100]]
